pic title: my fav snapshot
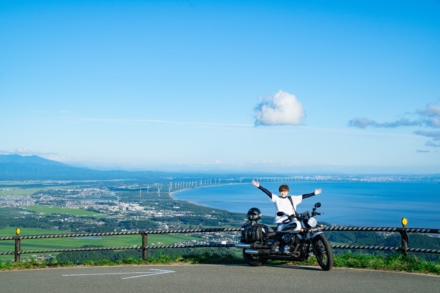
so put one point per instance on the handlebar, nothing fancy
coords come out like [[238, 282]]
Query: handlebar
[[289, 217]]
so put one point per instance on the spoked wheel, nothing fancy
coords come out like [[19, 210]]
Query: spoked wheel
[[254, 260], [323, 252]]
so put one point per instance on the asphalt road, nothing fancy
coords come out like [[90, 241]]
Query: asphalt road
[[213, 278]]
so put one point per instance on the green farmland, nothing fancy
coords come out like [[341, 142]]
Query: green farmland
[[63, 211], [22, 189]]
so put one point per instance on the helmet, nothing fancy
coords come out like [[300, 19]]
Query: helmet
[[254, 214], [283, 187]]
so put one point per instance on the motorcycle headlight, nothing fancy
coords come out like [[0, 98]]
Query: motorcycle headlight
[[312, 222]]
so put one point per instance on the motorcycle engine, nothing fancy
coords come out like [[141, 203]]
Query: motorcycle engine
[[287, 238]]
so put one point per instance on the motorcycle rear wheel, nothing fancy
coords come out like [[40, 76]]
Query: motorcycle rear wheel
[[323, 252], [254, 260]]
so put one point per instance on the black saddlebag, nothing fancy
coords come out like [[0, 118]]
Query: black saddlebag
[[252, 233]]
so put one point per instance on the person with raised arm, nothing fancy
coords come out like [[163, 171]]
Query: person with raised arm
[[284, 202]]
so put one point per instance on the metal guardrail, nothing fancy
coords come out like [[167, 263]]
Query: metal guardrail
[[145, 247], [144, 235], [404, 248]]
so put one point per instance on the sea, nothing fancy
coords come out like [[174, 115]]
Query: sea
[[345, 203]]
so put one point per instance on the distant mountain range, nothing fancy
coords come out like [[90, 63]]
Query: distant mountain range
[[16, 167]]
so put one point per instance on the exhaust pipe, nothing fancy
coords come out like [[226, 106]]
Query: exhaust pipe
[[251, 251], [242, 245], [263, 252]]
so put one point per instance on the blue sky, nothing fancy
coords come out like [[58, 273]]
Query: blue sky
[[261, 86]]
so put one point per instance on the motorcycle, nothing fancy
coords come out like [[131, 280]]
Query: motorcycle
[[297, 238]]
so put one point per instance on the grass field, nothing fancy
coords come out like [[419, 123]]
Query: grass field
[[26, 191], [10, 231], [18, 191], [57, 210]]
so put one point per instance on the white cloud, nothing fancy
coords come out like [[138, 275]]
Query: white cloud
[[365, 122], [281, 109], [429, 118], [431, 110]]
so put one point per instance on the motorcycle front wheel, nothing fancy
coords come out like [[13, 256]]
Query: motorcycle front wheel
[[254, 260], [323, 252]]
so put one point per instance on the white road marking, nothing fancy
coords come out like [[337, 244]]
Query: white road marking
[[153, 272]]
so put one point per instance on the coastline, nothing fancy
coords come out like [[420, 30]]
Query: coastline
[[349, 203]]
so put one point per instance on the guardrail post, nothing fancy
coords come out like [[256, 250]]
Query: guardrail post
[[17, 251], [404, 235], [144, 245]]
